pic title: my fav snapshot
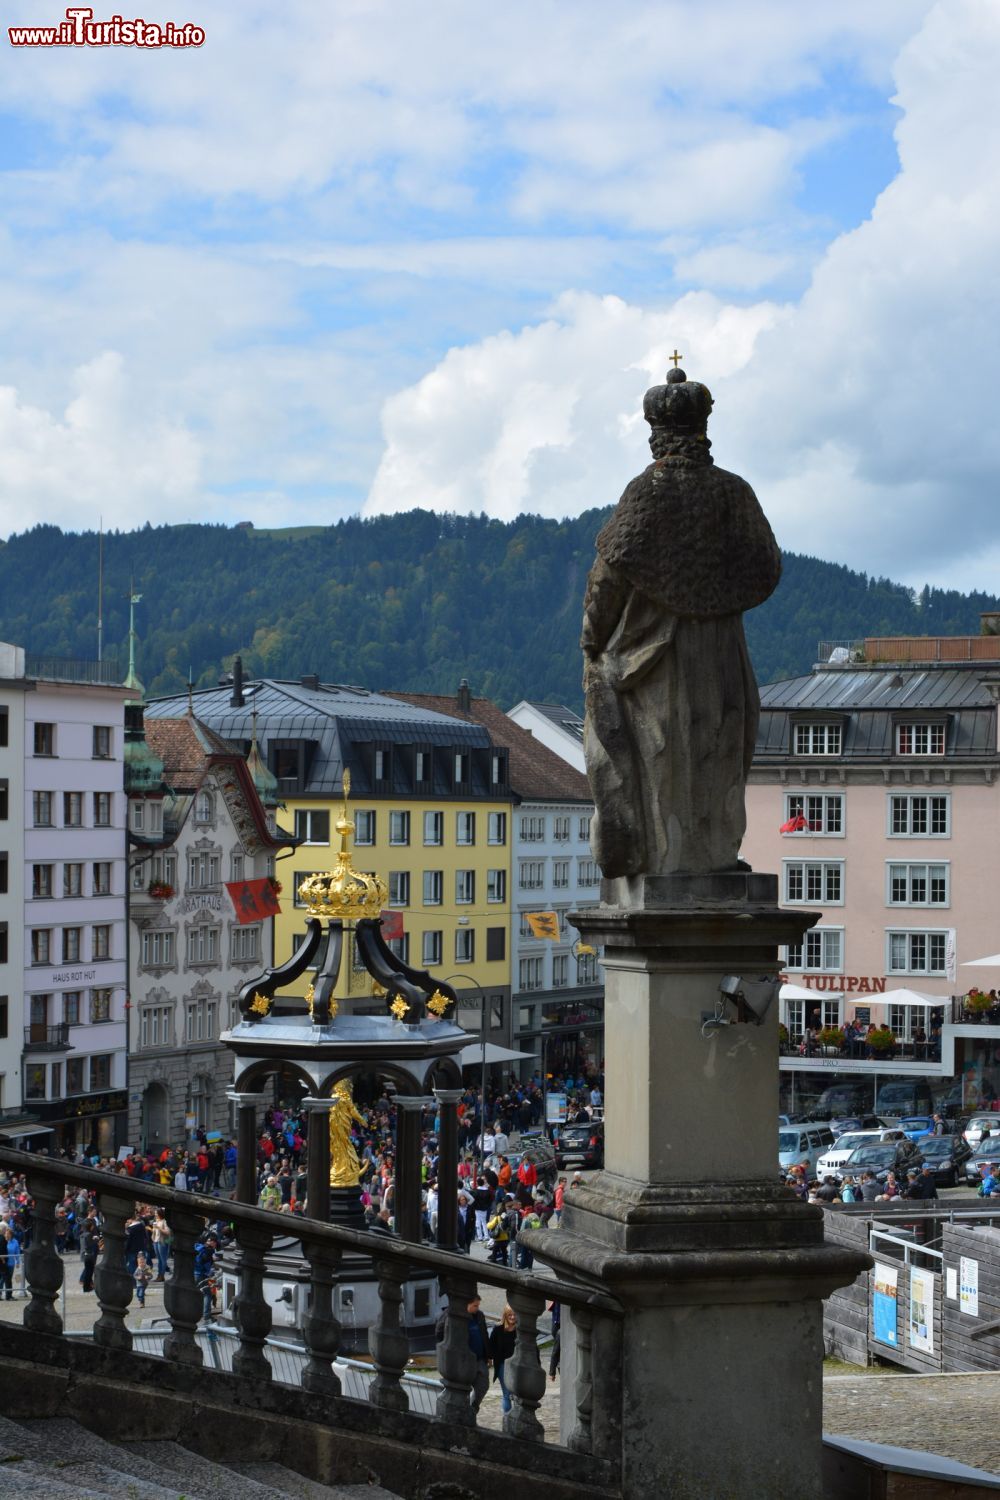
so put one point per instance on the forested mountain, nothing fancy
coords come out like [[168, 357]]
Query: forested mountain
[[413, 602]]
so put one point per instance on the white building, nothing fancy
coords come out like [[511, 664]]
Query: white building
[[200, 816], [559, 728], [62, 903]]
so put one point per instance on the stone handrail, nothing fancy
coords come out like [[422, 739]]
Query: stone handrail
[[323, 1245]]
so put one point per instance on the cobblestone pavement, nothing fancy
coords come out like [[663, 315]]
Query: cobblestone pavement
[[954, 1415]]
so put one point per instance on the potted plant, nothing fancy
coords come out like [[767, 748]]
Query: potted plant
[[161, 890], [782, 1037], [831, 1039], [977, 1004], [275, 884], [882, 1039]]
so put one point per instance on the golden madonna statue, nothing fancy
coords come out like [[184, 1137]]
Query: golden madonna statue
[[345, 1168]]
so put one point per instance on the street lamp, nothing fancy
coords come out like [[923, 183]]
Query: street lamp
[[471, 978]]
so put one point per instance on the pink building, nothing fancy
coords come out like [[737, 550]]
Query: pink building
[[875, 794]]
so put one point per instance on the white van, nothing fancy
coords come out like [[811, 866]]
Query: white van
[[798, 1143]]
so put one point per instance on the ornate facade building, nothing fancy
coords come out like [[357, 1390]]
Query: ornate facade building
[[201, 819]]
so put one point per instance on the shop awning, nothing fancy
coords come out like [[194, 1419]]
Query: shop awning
[[991, 961], [470, 1056], [12, 1132], [791, 991]]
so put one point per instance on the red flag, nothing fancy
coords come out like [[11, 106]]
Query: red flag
[[392, 925], [794, 825], [253, 900]]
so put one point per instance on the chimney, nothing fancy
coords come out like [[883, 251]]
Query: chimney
[[237, 700], [311, 681], [463, 697]]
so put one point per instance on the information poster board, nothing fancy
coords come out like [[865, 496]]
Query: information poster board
[[884, 1279], [922, 1291], [555, 1109], [968, 1286]]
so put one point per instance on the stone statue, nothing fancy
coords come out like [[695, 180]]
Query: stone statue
[[671, 700], [345, 1168]]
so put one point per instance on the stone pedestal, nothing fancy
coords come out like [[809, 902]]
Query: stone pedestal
[[720, 1269]]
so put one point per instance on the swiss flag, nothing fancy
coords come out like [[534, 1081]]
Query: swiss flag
[[253, 900], [794, 825], [392, 925]]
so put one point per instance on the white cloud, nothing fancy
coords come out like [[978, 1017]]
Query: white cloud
[[863, 414]]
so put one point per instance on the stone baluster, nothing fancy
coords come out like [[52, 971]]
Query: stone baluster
[[581, 1437], [246, 1144], [523, 1372], [112, 1278], [456, 1361], [320, 1328], [447, 1228], [407, 1206], [387, 1340], [181, 1297], [251, 1312], [42, 1261]]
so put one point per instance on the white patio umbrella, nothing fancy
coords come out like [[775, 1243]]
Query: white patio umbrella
[[791, 991], [910, 997], [991, 961]]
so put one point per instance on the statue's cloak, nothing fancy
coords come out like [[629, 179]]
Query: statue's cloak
[[694, 539]]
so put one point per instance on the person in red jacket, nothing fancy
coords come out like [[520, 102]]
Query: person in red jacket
[[527, 1179]]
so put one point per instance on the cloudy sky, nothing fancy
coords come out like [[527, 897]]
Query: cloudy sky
[[355, 255]]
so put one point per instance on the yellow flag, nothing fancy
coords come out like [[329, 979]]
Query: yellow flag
[[543, 924]]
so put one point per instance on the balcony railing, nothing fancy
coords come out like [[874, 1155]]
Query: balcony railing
[[41, 1038], [107, 673], [591, 1456]]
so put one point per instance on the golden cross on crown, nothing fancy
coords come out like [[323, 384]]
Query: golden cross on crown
[[675, 358]]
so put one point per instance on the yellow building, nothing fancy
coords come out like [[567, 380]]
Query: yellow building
[[431, 800]]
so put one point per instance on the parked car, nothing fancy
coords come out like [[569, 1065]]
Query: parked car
[[580, 1145], [947, 1154], [882, 1157], [839, 1124], [978, 1126], [797, 1143], [917, 1127], [986, 1151], [833, 1159]]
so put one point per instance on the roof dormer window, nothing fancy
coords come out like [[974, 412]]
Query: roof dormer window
[[818, 739], [920, 739]]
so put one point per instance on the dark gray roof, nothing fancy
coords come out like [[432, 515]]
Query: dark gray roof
[[869, 702], [336, 722], [565, 718]]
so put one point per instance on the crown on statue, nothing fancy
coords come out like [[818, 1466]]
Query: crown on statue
[[343, 891], [681, 406]]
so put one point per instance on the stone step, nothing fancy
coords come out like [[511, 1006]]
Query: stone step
[[67, 1439], [195, 1475], [285, 1482]]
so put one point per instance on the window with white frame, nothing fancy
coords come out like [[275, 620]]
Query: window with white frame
[[496, 886], [823, 812], [399, 827], [399, 887], [155, 812], [497, 766], [312, 825], [465, 828], [465, 887], [156, 1026], [584, 830], [531, 874], [905, 1020], [818, 739], [560, 829], [820, 952], [204, 807], [422, 765], [560, 873], [433, 887], [919, 815], [917, 952], [381, 760], [586, 968], [560, 970], [433, 828], [246, 943], [157, 950], [918, 884], [364, 825], [819, 881], [202, 1018], [801, 1014], [137, 814], [587, 872], [465, 945], [163, 870], [531, 973], [237, 864], [920, 739], [532, 830], [203, 944], [204, 869], [461, 768], [496, 828], [431, 948]]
